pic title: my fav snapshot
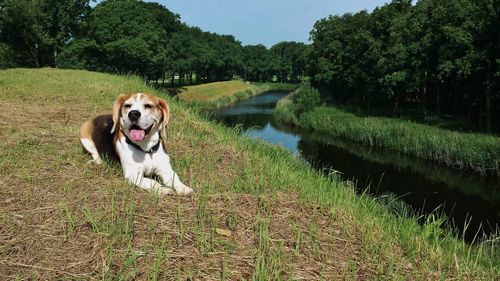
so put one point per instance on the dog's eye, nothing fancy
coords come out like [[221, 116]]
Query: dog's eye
[[127, 105], [148, 106]]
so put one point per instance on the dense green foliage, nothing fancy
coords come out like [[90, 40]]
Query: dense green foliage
[[290, 60], [131, 36], [437, 56], [306, 98], [33, 32], [476, 152]]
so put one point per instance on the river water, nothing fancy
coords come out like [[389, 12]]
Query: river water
[[426, 187]]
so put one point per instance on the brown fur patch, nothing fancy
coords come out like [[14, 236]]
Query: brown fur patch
[[98, 130]]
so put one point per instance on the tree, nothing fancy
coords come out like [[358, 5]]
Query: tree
[[343, 55], [486, 46], [257, 63], [37, 28], [132, 36], [22, 31], [391, 67], [440, 56], [290, 60], [62, 21]]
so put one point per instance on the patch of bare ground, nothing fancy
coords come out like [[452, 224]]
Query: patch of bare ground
[[203, 237]]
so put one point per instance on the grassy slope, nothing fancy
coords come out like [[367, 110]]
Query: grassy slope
[[63, 218], [476, 152], [217, 94]]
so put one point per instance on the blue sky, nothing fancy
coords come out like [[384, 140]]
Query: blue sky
[[263, 21]]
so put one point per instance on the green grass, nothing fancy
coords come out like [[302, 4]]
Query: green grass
[[475, 152], [218, 94], [62, 218]]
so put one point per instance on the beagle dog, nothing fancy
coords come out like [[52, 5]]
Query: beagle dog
[[135, 134]]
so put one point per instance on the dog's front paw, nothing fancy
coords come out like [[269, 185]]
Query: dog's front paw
[[185, 190], [165, 191], [96, 161]]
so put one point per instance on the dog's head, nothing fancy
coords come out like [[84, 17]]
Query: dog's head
[[139, 115]]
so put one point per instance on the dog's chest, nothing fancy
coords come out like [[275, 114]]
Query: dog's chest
[[147, 163]]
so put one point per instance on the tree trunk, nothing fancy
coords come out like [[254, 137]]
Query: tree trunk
[[424, 94], [454, 97], [470, 112], [396, 105], [424, 100], [37, 59], [55, 57], [480, 113], [480, 118], [487, 101], [438, 101]]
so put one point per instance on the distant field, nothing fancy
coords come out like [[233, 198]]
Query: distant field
[[218, 94], [258, 212], [212, 91]]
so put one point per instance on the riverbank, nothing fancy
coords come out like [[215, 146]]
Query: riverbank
[[218, 94], [258, 212], [475, 152]]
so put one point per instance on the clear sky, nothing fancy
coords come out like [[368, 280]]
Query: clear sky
[[263, 21]]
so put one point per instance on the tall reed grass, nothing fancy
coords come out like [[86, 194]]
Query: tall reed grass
[[469, 151]]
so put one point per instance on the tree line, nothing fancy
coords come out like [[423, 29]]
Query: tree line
[[436, 56], [135, 37]]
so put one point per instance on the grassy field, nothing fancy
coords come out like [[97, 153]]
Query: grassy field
[[258, 212], [475, 152], [217, 94]]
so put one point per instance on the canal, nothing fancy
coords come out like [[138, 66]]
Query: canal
[[469, 201]]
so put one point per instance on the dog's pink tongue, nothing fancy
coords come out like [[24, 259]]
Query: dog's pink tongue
[[137, 135]]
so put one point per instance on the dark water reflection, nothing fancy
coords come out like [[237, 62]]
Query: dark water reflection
[[423, 185]]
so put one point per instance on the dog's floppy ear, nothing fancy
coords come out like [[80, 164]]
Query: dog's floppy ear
[[165, 112], [117, 109]]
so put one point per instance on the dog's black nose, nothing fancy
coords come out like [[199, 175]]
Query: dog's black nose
[[134, 115]]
